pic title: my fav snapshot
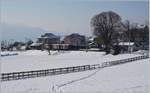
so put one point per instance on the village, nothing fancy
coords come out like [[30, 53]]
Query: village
[[75, 41]]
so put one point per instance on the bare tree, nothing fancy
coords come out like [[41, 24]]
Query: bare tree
[[105, 26], [136, 33]]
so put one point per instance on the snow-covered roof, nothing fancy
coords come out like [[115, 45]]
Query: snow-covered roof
[[44, 37], [91, 39], [140, 26], [91, 43], [126, 43], [35, 44], [61, 44], [23, 47]]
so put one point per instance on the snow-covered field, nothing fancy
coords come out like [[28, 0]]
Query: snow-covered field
[[38, 60], [126, 78]]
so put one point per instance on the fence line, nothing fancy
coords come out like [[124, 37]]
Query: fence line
[[57, 71]]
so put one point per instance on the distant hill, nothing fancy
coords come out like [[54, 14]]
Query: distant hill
[[20, 32]]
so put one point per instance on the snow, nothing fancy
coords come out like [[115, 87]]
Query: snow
[[36, 44], [8, 53], [126, 78], [126, 43], [38, 60], [143, 52]]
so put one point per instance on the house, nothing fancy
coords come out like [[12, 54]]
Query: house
[[127, 46], [49, 41], [48, 38], [45, 41], [75, 41]]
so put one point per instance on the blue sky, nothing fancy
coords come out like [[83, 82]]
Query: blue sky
[[68, 16]]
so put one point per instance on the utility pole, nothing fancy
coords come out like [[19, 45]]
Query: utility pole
[[129, 33], [59, 44], [86, 40]]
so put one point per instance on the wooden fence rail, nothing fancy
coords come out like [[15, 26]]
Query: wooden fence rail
[[57, 71]]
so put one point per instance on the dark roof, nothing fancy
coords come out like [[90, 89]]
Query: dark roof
[[76, 35], [49, 35]]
